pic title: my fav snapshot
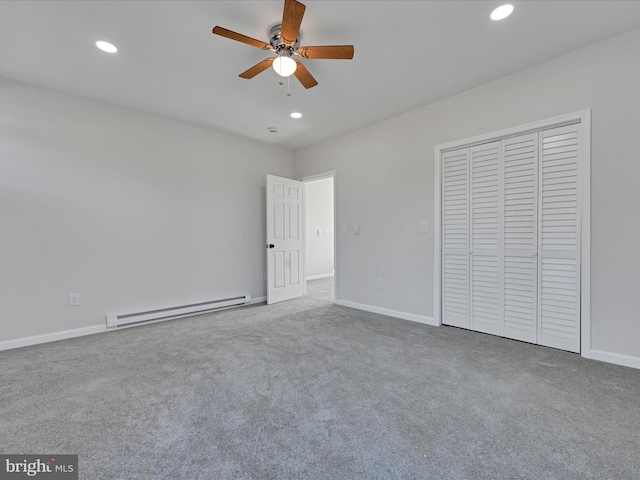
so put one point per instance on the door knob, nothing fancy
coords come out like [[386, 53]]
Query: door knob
[[271, 245]]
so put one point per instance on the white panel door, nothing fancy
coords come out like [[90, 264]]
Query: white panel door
[[559, 238], [521, 237], [455, 238], [486, 238], [285, 265]]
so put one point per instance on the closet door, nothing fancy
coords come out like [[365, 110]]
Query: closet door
[[559, 238], [521, 237], [486, 238], [455, 238]]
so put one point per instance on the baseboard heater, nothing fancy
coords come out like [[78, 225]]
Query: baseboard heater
[[140, 318]]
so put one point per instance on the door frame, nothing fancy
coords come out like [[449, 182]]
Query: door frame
[[583, 117], [304, 180]]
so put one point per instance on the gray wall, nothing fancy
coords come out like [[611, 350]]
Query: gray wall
[[132, 211], [384, 182]]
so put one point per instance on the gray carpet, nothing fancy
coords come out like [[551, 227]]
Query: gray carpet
[[309, 390], [321, 289]]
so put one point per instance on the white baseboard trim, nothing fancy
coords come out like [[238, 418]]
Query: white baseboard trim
[[318, 277], [51, 337], [257, 300], [617, 358], [412, 317]]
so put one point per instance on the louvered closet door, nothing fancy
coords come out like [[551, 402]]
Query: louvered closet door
[[486, 238], [559, 239], [521, 237], [455, 238]]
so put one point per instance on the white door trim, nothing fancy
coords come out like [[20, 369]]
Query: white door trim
[[582, 116], [311, 178]]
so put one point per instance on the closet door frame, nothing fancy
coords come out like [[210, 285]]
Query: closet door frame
[[583, 117]]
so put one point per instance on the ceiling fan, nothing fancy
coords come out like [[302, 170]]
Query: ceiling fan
[[283, 40]]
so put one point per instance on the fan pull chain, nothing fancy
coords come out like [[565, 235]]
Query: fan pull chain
[[288, 84]]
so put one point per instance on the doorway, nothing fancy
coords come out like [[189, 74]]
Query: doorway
[[320, 236]]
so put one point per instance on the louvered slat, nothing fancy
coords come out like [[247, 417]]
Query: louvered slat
[[455, 238], [486, 238], [559, 302], [520, 237]]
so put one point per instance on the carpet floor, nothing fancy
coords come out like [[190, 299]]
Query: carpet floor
[[306, 389]]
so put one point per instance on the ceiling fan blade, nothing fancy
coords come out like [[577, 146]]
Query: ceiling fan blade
[[302, 74], [241, 38], [339, 52], [258, 68], [291, 20]]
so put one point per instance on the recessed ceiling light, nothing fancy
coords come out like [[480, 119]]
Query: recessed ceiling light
[[106, 46], [501, 12], [296, 115]]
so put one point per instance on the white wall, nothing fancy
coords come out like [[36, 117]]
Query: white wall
[[319, 227], [130, 210], [385, 175]]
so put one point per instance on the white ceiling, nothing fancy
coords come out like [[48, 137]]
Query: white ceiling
[[407, 54]]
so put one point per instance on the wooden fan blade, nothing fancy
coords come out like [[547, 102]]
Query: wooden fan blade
[[302, 74], [241, 38], [291, 20], [258, 68], [338, 52]]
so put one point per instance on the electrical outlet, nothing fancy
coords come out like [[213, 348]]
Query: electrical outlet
[[74, 299], [379, 283], [424, 228]]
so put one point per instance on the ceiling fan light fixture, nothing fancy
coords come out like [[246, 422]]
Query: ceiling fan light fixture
[[284, 66], [502, 12], [284, 41]]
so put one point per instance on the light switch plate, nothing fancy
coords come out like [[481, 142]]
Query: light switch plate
[[424, 227], [74, 299], [344, 230]]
